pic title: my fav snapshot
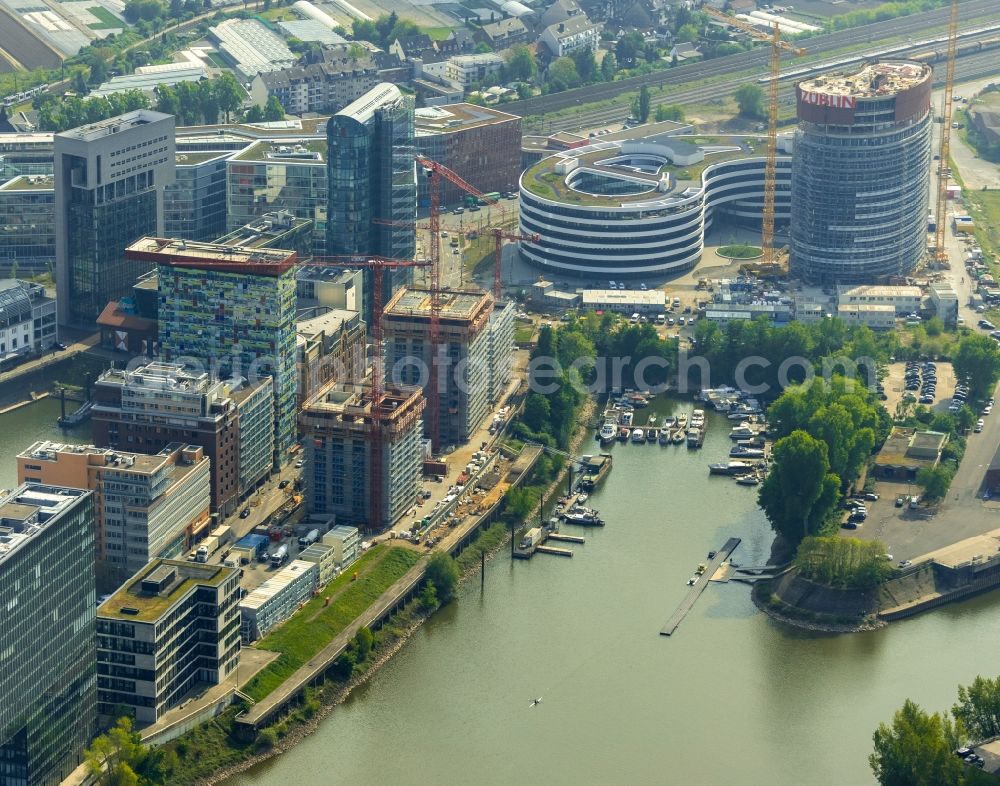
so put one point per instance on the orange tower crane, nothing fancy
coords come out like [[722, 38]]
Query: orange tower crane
[[940, 253], [771, 162], [436, 171]]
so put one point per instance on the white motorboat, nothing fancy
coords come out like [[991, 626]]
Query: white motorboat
[[638, 435], [608, 432]]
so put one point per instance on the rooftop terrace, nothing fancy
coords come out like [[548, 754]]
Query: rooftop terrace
[[301, 151], [455, 304], [873, 79], [158, 586], [188, 253]]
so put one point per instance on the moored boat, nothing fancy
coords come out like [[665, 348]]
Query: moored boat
[[748, 480], [638, 435], [651, 435], [730, 468], [695, 437], [664, 436], [608, 432], [623, 434], [678, 437]]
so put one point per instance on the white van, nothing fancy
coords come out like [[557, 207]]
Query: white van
[[634, 318]]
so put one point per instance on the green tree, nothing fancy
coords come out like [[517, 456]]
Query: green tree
[[978, 708], [669, 112], [442, 570], [208, 104], [119, 758], [934, 481], [750, 100], [80, 84], [586, 65], [428, 596], [644, 104], [254, 114], [978, 361], [687, 33], [146, 10], [273, 110], [916, 750], [800, 491], [609, 66], [628, 49], [98, 71], [521, 63], [229, 94], [364, 640], [167, 100], [188, 103], [562, 75], [537, 412]]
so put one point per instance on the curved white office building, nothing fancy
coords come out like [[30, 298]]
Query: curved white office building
[[639, 207]]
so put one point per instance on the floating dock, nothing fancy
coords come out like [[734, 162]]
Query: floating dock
[[567, 538], [554, 551], [695, 592]]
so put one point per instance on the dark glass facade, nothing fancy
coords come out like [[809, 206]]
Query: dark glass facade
[[194, 205], [100, 223], [372, 176], [47, 645]]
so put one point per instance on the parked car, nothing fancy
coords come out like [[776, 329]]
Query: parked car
[[871, 496], [979, 425], [244, 513], [904, 563], [284, 484], [899, 502]]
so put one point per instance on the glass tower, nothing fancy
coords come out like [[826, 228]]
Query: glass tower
[[372, 178], [48, 681]]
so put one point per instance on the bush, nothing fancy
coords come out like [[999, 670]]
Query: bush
[[266, 739]]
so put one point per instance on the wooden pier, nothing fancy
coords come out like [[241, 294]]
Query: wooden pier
[[695, 592], [554, 551]]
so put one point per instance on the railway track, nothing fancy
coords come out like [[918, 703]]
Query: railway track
[[971, 66], [977, 12]]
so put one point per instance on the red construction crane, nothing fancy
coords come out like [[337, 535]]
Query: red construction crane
[[376, 265], [436, 171]]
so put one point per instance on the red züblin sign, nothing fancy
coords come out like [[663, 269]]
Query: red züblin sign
[[822, 99]]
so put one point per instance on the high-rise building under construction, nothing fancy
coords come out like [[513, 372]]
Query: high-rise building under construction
[[860, 173]]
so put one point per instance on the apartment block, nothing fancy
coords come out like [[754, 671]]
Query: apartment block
[[501, 350], [27, 319], [255, 405], [324, 86], [233, 308], [109, 183], [280, 175], [464, 367], [465, 70], [158, 403], [276, 599], [172, 627], [48, 680], [324, 557], [145, 506], [339, 429], [331, 346], [481, 144]]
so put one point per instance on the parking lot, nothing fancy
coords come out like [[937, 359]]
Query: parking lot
[[895, 386]]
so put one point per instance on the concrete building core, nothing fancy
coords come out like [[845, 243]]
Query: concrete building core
[[465, 369], [339, 430], [860, 174]]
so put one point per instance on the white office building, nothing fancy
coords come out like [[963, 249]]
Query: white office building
[[276, 599]]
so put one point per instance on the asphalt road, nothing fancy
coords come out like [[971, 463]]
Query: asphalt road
[[916, 26]]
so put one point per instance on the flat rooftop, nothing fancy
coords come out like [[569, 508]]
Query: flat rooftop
[[455, 304], [352, 403], [872, 80], [301, 151], [451, 118], [177, 578], [199, 156], [30, 183], [114, 125], [26, 511], [188, 253]]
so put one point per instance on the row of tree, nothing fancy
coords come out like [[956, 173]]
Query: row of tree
[[825, 433], [843, 562], [202, 102], [918, 748]]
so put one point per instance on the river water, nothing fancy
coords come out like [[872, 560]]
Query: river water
[[21, 427], [731, 697]]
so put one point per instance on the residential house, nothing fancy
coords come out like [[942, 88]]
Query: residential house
[[577, 32], [503, 34]]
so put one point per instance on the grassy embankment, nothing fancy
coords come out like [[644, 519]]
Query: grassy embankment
[[317, 624]]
